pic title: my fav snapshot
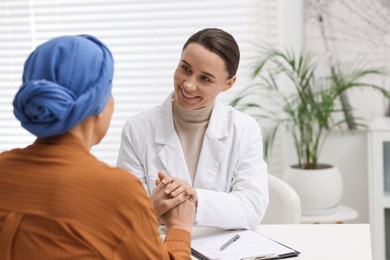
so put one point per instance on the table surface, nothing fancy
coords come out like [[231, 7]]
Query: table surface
[[322, 242], [341, 214]]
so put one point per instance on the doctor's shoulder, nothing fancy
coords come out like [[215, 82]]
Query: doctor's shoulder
[[241, 119]]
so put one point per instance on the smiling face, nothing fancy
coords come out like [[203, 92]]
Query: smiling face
[[199, 77]]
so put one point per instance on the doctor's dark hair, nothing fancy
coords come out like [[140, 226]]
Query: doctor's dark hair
[[221, 43]]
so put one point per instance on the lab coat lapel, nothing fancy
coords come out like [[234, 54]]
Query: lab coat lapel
[[212, 148], [171, 154]]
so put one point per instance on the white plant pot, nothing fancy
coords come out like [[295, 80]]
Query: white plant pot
[[320, 190]]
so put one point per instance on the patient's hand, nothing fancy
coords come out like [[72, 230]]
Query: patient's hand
[[182, 216], [161, 202], [170, 192]]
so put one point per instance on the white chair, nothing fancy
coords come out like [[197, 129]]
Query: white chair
[[284, 203]]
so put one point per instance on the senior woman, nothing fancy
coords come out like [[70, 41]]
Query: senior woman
[[57, 201]]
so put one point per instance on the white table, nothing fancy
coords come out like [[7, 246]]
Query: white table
[[339, 215], [322, 242]]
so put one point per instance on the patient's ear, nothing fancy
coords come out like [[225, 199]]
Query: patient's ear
[[98, 116]]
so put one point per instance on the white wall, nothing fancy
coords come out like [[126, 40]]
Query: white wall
[[349, 152], [356, 34], [291, 24]]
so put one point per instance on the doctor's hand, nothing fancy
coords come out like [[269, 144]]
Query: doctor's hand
[[161, 201], [174, 187]]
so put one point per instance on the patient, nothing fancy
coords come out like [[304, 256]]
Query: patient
[[57, 201]]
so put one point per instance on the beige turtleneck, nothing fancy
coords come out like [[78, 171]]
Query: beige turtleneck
[[190, 126]]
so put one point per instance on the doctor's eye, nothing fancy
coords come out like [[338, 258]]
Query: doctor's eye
[[186, 68], [205, 78]]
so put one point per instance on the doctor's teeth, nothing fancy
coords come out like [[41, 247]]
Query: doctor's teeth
[[187, 96]]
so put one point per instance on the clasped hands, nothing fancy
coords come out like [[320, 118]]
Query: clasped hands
[[170, 192]]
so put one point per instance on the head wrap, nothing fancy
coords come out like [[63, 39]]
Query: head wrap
[[65, 80]]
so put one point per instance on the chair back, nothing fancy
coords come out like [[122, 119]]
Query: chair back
[[284, 203]]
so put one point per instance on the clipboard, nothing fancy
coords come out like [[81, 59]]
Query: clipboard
[[250, 246]]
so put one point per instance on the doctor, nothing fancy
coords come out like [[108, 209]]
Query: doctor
[[215, 149]]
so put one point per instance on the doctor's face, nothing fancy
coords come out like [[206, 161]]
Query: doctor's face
[[199, 77]]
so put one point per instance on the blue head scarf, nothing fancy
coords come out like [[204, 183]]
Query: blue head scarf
[[65, 80]]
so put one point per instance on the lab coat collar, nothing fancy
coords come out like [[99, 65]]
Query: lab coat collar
[[171, 153], [213, 148], [218, 121], [165, 128]]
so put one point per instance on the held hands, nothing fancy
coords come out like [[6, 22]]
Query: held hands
[[174, 201], [170, 192], [180, 217]]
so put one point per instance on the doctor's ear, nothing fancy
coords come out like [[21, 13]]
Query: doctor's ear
[[229, 83]]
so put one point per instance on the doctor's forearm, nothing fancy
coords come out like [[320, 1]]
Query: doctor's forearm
[[224, 210]]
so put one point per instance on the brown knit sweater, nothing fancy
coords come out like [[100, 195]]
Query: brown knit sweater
[[57, 201]]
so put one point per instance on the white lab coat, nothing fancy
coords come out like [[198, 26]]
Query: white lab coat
[[231, 176]]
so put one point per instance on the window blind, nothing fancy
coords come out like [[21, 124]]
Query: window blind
[[145, 37]]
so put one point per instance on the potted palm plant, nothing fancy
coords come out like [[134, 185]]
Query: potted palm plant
[[287, 92]]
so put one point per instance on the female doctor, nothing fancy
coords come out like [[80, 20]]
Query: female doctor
[[192, 143]]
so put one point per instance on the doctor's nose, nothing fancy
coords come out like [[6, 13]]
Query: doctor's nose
[[189, 86]]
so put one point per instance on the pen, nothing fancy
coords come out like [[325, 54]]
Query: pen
[[233, 239], [263, 257]]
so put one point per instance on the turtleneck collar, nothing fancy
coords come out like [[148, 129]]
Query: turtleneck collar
[[191, 116]]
